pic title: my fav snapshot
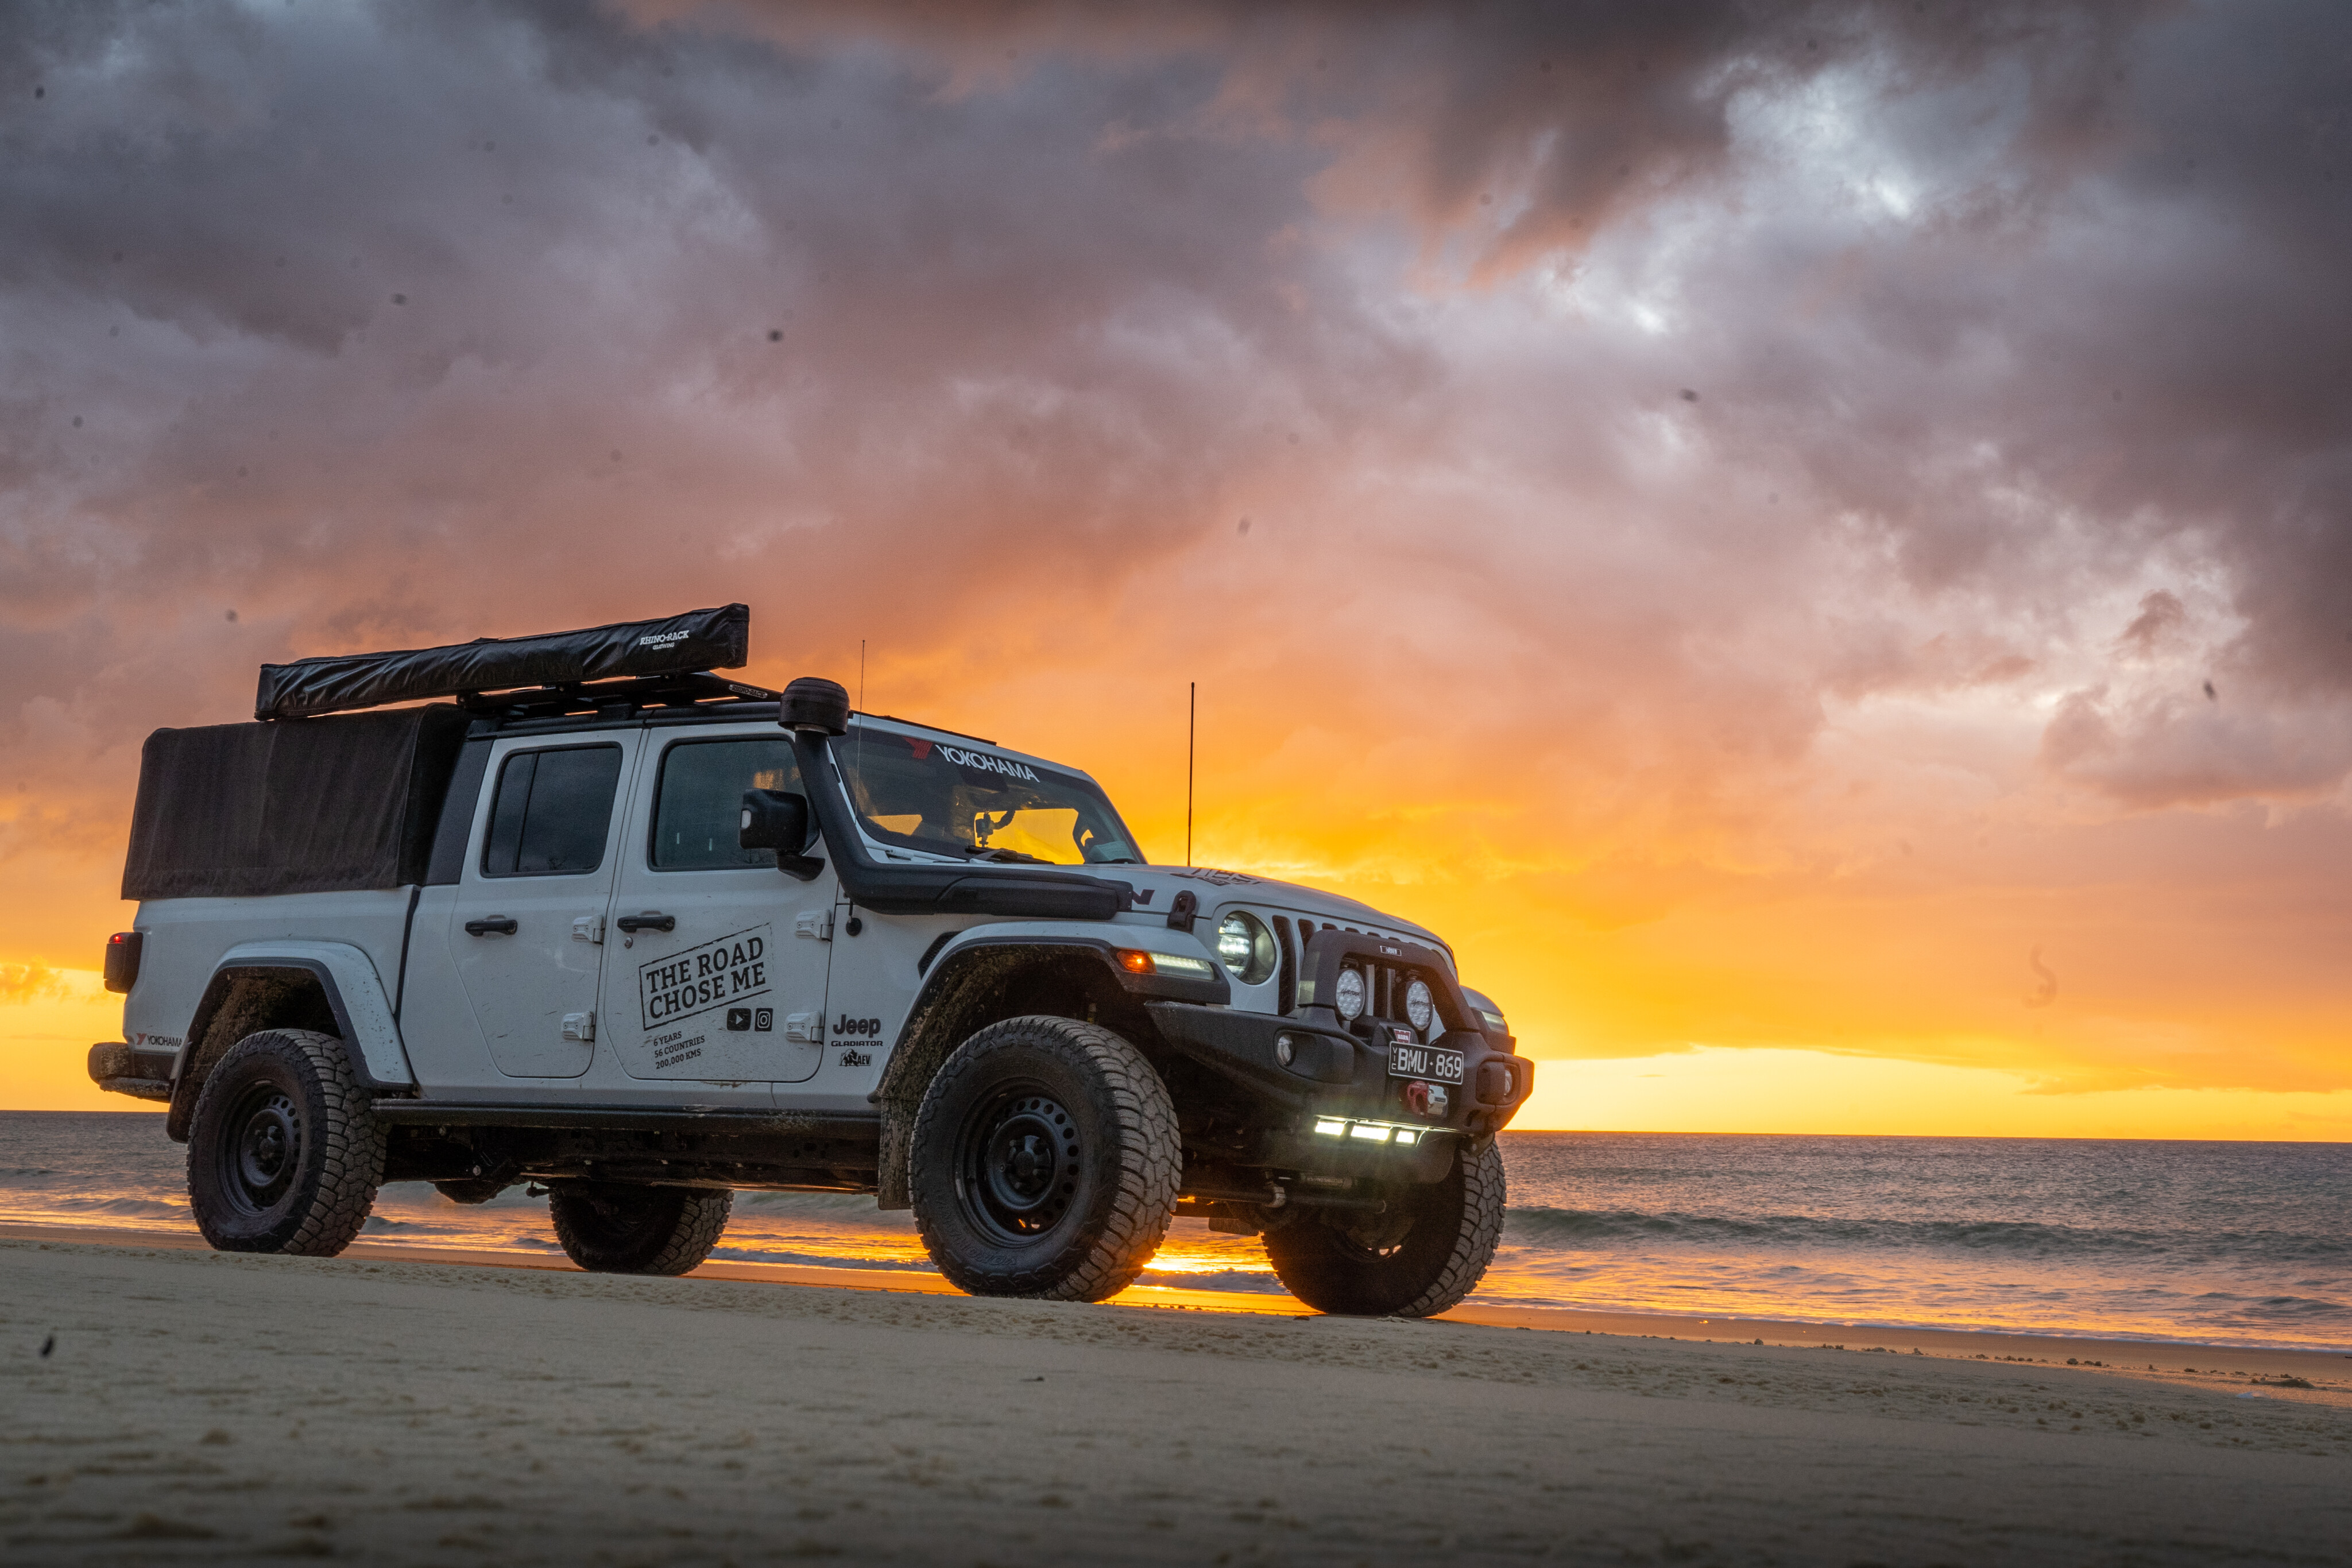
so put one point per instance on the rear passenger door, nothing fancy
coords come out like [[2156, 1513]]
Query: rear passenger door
[[527, 924], [722, 979]]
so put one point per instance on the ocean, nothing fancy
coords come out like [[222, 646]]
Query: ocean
[[2226, 1243]]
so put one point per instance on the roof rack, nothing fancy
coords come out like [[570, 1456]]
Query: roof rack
[[624, 697], [671, 649]]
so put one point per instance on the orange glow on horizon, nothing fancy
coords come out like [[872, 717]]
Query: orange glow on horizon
[[2064, 982]]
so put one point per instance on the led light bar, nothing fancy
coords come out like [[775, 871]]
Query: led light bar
[[1389, 1133]]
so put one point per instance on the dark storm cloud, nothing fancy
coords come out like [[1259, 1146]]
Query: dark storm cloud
[[338, 290], [1573, 112], [2178, 378]]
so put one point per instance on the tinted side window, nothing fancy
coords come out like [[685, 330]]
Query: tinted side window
[[698, 809], [551, 811]]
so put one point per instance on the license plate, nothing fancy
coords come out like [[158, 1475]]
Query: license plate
[[1426, 1061]]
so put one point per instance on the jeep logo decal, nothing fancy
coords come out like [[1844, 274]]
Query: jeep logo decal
[[847, 1027]]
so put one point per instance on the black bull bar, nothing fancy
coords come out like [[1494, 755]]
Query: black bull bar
[[1334, 1070]]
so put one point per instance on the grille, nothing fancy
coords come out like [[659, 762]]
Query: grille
[[1286, 990], [1384, 984]]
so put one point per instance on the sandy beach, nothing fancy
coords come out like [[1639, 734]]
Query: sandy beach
[[195, 1407]]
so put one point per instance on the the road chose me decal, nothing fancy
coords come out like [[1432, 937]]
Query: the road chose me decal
[[701, 979]]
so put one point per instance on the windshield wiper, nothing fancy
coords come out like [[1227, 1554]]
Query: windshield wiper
[[1010, 856]]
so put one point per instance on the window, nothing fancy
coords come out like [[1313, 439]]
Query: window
[[951, 799], [698, 809], [551, 811]]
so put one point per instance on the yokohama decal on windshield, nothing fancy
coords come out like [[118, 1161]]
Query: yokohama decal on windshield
[[986, 762]]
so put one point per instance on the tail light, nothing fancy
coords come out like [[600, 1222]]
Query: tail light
[[123, 960]]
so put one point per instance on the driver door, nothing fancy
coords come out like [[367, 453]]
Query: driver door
[[716, 961]]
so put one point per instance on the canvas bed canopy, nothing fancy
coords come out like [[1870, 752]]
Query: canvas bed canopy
[[346, 801]]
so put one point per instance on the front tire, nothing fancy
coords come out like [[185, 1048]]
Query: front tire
[[1423, 1255], [1046, 1162], [284, 1150], [612, 1228]]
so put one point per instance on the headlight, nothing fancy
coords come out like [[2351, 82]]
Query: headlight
[[1420, 1007], [1247, 946], [1348, 996]]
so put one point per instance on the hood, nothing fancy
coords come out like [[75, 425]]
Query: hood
[[1218, 890]]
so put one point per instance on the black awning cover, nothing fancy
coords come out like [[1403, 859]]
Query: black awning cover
[[717, 639]]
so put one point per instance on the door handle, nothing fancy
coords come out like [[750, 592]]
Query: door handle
[[492, 926], [651, 920]]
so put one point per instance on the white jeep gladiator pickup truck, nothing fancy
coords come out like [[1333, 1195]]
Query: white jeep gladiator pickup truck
[[618, 925]]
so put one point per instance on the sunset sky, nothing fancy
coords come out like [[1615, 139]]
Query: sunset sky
[[1813, 542]]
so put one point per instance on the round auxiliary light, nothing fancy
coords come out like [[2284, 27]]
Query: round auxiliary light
[[1247, 946], [1420, 1007], [1348, 994]]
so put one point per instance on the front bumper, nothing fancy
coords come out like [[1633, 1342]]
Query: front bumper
[[1321, 1107]]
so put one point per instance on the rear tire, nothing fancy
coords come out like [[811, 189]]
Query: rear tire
[[613, 1228], [284, 1151], [1423, 1255], [1045, 1162]]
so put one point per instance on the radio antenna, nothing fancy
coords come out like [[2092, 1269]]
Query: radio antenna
[[1191, 728]]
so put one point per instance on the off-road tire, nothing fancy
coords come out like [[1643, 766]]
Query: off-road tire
[[613, 1228], [1092, 1121], [1454, 1226], [284, 1151]]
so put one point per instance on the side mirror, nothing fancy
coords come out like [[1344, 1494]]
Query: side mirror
[[773, 820]]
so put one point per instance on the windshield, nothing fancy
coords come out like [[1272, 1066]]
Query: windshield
[[948, 797]]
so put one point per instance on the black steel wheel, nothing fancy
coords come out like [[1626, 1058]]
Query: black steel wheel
[[1045, 1162], [1018, 1154], [1423, 1254], [613, 1227], [284, 1152]]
